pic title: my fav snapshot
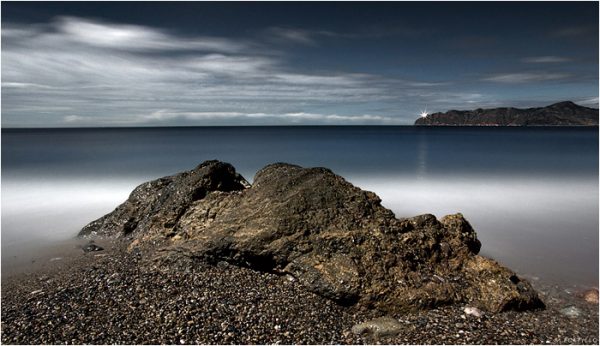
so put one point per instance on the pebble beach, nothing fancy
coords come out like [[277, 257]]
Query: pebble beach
[[107, 297]]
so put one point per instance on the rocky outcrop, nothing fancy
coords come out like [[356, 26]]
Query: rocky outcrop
[[334, 238], [154, 208], [559, 114]]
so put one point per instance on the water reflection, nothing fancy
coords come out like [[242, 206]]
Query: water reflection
[[422, 157]]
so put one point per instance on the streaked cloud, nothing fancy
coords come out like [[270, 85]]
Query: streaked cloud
[[546, 59], [291, 35], [136, 37], [75, 71], [312, 37], [72, 118], [590, 102], [573, 31], [526, 77], [225, 118], [80, 72]]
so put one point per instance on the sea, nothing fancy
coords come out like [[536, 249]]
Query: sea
[[531, 193]]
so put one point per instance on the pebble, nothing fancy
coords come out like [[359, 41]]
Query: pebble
[[473, 311], [591, 296], [571, 311], [382, 326], [91, 248]]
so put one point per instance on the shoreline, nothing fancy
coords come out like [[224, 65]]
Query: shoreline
[[105, 297], [61, 252]]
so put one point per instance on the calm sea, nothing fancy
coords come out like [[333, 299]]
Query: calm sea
[[530, 193]]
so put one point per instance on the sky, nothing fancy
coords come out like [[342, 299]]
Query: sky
[[87, 64]]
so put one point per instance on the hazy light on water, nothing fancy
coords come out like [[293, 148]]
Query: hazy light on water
[[542, 227], [35, 212]]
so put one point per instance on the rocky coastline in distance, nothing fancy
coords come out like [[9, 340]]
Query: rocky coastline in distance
[[564, 113], [299, 256]]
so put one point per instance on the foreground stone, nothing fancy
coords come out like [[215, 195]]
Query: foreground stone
[[334, 238], [379, 327], [591, 296]]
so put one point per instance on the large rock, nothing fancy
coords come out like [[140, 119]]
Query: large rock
[[335, 238]]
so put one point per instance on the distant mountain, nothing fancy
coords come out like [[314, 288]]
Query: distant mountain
[[559, 114]]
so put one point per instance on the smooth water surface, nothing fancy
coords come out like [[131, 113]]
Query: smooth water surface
[[530, 193]]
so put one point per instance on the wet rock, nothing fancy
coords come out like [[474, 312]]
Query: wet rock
[[379, 327], [91, 247], [335, 239]]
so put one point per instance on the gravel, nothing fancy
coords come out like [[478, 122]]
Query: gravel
[[109, 297]]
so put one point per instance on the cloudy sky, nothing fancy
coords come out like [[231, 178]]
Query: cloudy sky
[[159, 64]]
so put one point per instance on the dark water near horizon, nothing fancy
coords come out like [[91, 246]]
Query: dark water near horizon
[[530, 193]]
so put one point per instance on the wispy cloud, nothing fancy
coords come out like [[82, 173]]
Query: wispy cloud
[[525, 77], [223, 118], [312, 37], [546, 59], [135, 37], [291, 35], [76, 72], [73, 118], [591, 101], [427, 84], [573, 31], [82, 72]]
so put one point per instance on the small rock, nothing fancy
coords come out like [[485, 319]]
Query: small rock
[[133, 245], [473, 311], [383, 326], [591, 296], [92, 247], [571, 311]]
